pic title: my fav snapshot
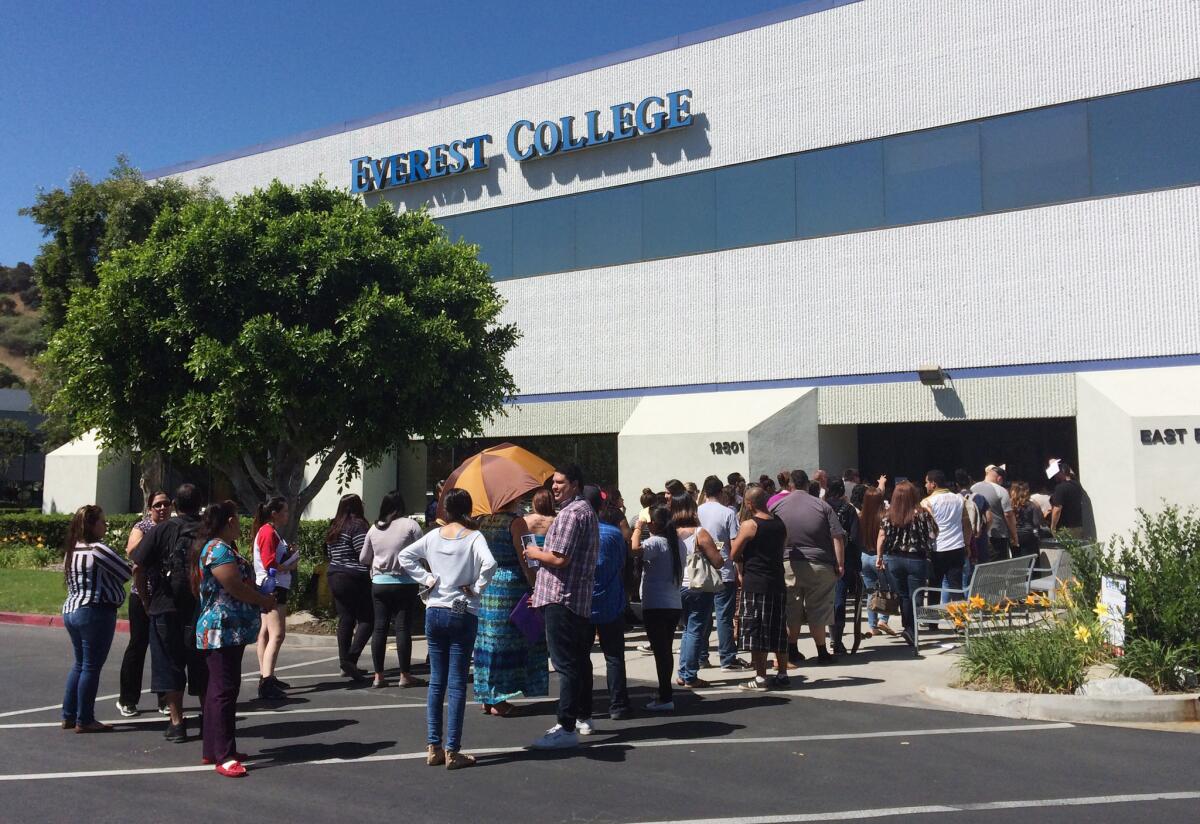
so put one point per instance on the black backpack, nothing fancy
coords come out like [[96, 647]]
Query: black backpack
[[175, 561]]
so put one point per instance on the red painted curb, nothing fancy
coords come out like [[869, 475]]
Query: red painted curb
[[32, 619]]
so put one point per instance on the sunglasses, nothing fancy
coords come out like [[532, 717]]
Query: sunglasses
[[161, 505]]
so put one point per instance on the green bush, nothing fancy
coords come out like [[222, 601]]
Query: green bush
[[1161, 558], [1052, 655], [31, 539], [1158, 664], [22, 334]]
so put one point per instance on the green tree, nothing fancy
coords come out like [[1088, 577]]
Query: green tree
[[15, 440], [10, 379], [286, 325], [85, 223]]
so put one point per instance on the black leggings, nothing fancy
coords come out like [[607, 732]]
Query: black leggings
[[352, 598], [134, 662], [660, 630], [395, 608]]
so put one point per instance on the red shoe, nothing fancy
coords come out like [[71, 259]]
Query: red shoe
[[237, 756], [234, 770]]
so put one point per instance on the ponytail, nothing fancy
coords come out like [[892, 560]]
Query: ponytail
[[660, 524], [264, 511], [81, 531]]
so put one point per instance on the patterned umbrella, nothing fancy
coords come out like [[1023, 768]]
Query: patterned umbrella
[[496, 477]]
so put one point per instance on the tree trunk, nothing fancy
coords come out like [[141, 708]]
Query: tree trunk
[[154, 468]]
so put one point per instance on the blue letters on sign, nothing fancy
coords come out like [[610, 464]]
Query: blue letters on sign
[[526, 141], [368, 174]]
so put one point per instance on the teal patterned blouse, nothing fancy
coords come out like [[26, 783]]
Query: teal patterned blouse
[[224, 620]]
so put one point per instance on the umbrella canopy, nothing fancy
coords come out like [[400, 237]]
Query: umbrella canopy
[[496, 477]]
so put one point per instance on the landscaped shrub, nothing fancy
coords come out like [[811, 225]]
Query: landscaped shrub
[[1050, 655], [1159, 664]]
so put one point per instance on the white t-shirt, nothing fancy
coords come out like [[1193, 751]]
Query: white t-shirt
[[947, 509]]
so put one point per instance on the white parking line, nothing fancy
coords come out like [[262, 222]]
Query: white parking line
[[99, 698], [886, 812], [672, 742]]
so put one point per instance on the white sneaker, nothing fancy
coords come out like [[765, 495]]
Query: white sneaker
[[126, 711], [556, 738], [756, 684], [584, 726], [661, 706], [645, 649]]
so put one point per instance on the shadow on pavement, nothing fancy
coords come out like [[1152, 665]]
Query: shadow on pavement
[[294, 729], [293, 753]]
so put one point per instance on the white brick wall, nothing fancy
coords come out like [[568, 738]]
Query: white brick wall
[[865, 70]]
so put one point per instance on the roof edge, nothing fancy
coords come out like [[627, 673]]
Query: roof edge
[[758, 21]]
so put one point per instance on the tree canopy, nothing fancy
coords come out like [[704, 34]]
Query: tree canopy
[[287, 324], [89, 220]]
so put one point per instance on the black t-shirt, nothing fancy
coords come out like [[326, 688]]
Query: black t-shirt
[[762, 557], [153, 554], [848, 518], [1069, 495]]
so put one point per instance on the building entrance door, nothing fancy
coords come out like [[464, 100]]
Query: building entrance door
[[911, 449]]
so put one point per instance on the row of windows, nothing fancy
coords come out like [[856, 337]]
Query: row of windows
[[1149, 139]]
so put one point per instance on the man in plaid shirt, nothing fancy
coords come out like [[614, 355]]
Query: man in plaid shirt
[[563, 590]]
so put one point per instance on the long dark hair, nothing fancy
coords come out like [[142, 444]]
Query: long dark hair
[[349, 508], [872, 514], [661, 524], [683, 512], [81, 531], [391, 508], [458, 506], [265, 510], [905, 503], [211, 523]]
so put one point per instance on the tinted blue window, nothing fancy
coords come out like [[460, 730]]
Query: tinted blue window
[[932, 175], [840, 189], [608, 226], [756, 203], [543, 237], [1035, 157], [492, 231], [1146, 139], [679, 216]]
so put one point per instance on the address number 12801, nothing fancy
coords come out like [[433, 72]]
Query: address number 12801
[[727, 447]]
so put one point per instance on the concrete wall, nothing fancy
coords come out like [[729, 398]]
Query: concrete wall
[[1119, 472], [405, 468], [864, 70], [81, 472]]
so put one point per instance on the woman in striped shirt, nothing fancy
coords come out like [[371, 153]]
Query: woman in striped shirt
[[350, 583], [95, 577]]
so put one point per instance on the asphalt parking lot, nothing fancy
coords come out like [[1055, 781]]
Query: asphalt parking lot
[[336, 751]]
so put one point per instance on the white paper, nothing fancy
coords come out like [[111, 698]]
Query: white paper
[[529, 541]]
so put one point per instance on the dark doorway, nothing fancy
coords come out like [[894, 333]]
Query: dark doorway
[[911, 449]]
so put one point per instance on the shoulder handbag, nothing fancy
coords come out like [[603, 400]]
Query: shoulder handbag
[[885, 601], [701, 574]]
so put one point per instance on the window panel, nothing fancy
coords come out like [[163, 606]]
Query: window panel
[[1146, 140], [543, 237], [679, 216], [932, 175], [756, 203], [608, 226], [492, 231], [840, 189], [1035, 157]]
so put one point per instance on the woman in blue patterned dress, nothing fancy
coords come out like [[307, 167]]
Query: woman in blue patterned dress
[[506, 665], [229, 620]]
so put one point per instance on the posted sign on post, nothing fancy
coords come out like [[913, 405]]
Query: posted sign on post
[[1112, 596]]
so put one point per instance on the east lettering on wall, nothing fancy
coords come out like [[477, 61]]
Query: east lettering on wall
[[1169, 436], [526, 141]]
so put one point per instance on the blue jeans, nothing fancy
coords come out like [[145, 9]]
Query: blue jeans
[[697, 607], [451, 638], [873, 578], [725, 605], [91, 629], [908, 574]]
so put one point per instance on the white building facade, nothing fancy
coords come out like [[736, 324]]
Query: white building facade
[[791, 214]]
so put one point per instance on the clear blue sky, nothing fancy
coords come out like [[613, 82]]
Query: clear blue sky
[[169, 82]]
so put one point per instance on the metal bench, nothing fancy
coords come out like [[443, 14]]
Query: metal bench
[[994, 582], [1053, 569]]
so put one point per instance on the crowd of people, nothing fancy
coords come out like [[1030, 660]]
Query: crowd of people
[[536, 584]]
